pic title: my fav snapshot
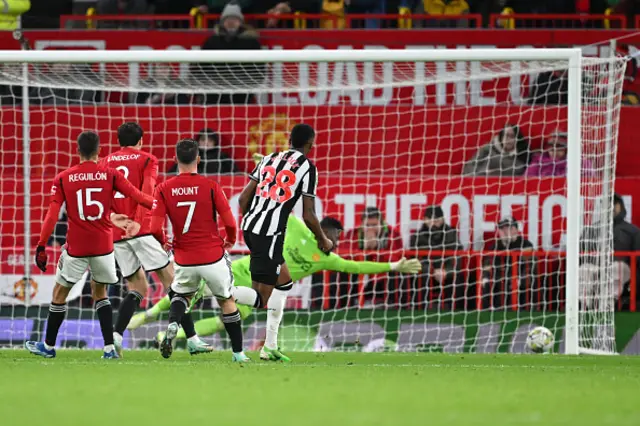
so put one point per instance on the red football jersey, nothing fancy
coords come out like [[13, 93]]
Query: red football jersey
[[192, 203], [141, 169], [88, 189]]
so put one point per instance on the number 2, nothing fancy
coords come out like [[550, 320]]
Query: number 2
[[192, 207], [89, 202], [281, 184], [125, 172]]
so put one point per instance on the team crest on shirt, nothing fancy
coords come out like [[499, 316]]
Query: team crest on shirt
[[315, 257]]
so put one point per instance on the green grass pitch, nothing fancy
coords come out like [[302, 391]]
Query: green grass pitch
[[328, 389]]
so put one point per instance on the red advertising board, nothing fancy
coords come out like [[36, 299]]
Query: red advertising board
[[473, 205], [410, 140]]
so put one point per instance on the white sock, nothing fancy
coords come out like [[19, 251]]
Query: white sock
[[117, 337], [194, 339], [109, 348], [47, 347], [274, 316], [245, 295]]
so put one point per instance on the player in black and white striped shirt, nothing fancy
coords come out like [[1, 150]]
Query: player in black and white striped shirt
[[277, 183]]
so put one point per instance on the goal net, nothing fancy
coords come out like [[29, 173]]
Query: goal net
[[495, 168]]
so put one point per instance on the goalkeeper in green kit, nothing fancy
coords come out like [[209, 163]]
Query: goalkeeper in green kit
[[304, 258]]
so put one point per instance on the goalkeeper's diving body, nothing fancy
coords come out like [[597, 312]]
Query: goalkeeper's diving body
[[304, 258]]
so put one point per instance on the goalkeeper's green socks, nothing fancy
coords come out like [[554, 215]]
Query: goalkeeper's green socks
[[209, 326], [162, 306]]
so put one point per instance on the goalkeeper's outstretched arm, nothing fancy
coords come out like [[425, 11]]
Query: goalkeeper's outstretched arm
[[405, 266]]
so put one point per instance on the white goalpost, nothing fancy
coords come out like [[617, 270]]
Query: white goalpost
[[398, 131]]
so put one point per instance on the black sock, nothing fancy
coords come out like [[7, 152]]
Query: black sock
[[233, 325], [57, 313], [178, 308], [129, 304], [105, 316], [188, 326]]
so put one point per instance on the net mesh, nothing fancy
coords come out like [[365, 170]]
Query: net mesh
[[460, 164]]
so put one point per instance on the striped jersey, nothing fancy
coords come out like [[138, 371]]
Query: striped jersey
[[282, 177]]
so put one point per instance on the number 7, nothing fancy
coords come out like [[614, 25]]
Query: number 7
[[192, 207]]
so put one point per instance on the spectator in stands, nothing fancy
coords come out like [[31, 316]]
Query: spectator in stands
[[553, 161], [161, 86], [442, 8], [276, 7], [213, 161], [626, 237], [505, 155], [217, 6], [497, 269], [360, 7], [230, 34], [374, 234], [550, 88], [123, 7], [435, 234]]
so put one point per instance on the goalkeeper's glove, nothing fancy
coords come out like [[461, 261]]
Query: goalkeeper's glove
[[41, 258], [407, 266]]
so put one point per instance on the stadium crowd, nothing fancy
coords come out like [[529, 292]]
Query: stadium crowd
[[45, 14]]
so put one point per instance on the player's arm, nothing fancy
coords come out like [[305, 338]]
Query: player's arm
[[249, 191], [224, 210], [122, 185], [149, 180], [57, 198], [406, 266], [309, 184], [158, 214]]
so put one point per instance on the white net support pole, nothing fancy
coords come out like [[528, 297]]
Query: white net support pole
[[574, 211], [26, 165]]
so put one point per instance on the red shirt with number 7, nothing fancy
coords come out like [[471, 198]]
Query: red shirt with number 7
[[88, 190], [193, 203]]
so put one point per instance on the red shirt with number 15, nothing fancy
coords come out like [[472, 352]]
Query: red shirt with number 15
[[88, 189]]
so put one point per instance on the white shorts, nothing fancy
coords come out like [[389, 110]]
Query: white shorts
[[217, 276], [71, 269], [144, 251]]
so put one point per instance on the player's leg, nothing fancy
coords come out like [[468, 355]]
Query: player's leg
[[68, 272], [137, 284], [276, 305], [184, 286], [195, 345], [103, 274], [213, 325], [57, 312], [265, 264], [150, 315], [219, 279]]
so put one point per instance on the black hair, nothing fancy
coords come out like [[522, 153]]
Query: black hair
[[331, 223], [88, 144], [209, 134], [301, 134], [187, 151], [129, 133], [371, 212]]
